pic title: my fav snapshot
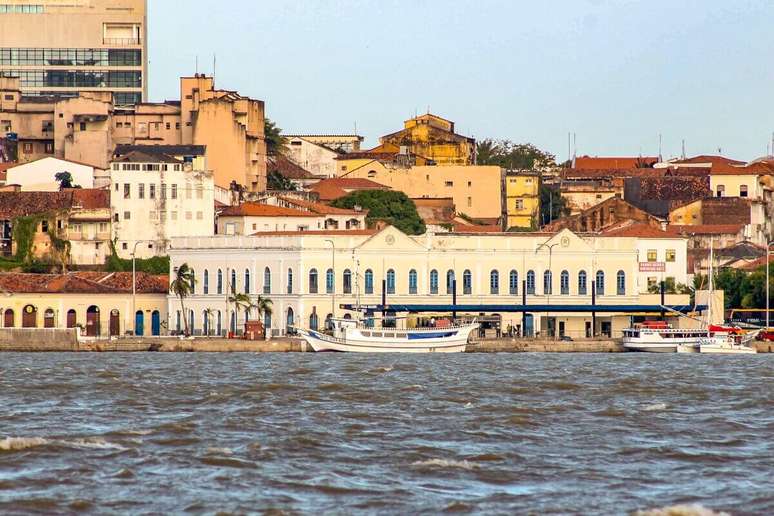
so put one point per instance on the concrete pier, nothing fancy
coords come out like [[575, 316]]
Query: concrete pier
[[545, 346]]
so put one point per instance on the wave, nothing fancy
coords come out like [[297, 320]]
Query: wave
[[681, 510], [23, 443], [444, 464], [654, 407]]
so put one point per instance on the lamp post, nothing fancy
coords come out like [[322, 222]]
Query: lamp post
[[333, 268], [768, 297], [551, 278], [134, 286]]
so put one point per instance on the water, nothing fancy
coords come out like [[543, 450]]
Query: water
[[303, 433]]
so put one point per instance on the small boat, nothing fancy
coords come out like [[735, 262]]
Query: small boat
[[727, 343], [351, 336]]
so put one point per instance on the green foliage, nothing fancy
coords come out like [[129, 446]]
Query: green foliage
[[276, 181], [154, 265], [393, 207], [24, 229], [742, 289], [275, 142], [512, 156], [671, 287], [552, 205], [65, 180], [183, 286]]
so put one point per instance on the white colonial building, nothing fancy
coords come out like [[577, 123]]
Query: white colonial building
[[156, 197], [309, 275], [40, 175]]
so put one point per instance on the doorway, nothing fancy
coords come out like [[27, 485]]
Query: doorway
[[92, 321], [139, 323], [30, 317], [115, 323], [156, 323]]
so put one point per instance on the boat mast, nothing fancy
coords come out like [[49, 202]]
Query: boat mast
[[711, 285]]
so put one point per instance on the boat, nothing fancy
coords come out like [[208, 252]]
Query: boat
[[659, 337], [354, 337], [725, 343]]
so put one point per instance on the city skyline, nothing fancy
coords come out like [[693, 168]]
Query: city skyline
[[683, 71]]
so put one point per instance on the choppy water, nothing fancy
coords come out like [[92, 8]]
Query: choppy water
[[302, 433]]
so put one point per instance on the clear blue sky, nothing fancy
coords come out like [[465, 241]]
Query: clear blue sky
[[617, 73]]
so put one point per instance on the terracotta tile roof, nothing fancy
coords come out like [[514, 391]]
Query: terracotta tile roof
[[254, 209], [613, 162], [19, 204], [635, 230], [319, 208], [334, 188], [83, 283], [755, 264], [321, 232], [611, 173], [168, 150], [288, 168], [473, 228], [707, 158], [91, 198], [706, 229], [136, 156]]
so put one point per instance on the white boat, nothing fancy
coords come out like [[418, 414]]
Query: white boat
[[662, 339], [726, 343], [350, 336]]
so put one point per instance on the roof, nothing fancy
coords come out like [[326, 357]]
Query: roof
[[91, 198], [137, 156], [254, 209], [169, 150], [613, 162], [473, 228], [320, 208], [706, 229], [334, 188], [708, 158], [636, 230], [83, 283], [19, 204], [755, 264], [287, 168], [329, 135], [322, 232], [611, 173]]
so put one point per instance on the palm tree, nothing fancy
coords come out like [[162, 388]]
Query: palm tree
[[264, 306], [242, 301], [182, 287], [209, 313]]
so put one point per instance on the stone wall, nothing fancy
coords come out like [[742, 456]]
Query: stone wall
[[38, 339]]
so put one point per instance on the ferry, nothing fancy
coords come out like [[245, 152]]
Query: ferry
[[354, 337], [660, 337]]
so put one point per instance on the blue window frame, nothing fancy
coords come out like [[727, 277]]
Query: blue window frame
[[449, 282], [330, 281], [513, 283], [433, 281], [247, 281], [206, 284], [494, 282], [564, 283], [313, 281], [412, 281], [582, 283], [531, 282], [548, 283], [369, 281], [220, 282], [347, 279], [390, 281], [621, 283], [467, 283], [600, 283]]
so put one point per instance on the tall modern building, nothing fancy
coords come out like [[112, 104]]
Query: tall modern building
[[63, 47]]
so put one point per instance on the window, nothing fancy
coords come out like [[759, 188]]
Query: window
[[314, 321], [347, 281], [513, 283], [233, 281], [313, 285], [671, 254], [290, 281], [470, 183], [199, 215], [412, 281], [548, 283], [621, 283], [220, 281], [652, 255], [206, 282], [266, 281], [151, 191], [115, 217], [564, 283], [467, 283], [531, 282], [127, 191], [742, 190], [49, 148], [199, 192], [494, 282], [519, 204], [44, 226], [600, 286], [470, 202], [141, 191], [330, 281], [449, 282], [369, 281], [449, 184], [652, 282], [433, 281], [163, 190], [391, 281], [174, 191], [372, 173], [127, 215], [721, 189], [83, 126]]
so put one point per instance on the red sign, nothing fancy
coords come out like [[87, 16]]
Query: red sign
[[652, 267]]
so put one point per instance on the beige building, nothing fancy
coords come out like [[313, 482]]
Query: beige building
[[87, 128], [336, 142], [522, 200], [61, 48], [310, 275]]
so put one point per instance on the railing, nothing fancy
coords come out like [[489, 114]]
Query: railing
[[121, 41]]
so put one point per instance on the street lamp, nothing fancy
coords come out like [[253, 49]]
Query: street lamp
[[768, 253], [333, 268], [551, 278], [133, 318]]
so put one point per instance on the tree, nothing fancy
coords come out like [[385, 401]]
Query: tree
[[65, 180], [262, 304], [276, 181], [393, 207], [512, 156], [275, 142], [208, 314], [182, 287], [552, 205]]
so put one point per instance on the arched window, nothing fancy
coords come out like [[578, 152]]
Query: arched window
[[206, 322], [449, 282], [247, 281], [433, 281], [266, 321], [9, 319], [267, 280], [314, 321], [621, 283], [206, 288], [412, 281], [347, 280], [191, 322], [233, 281], [564, 283], [582, 283], [313, 286], [513, 283], [369, 281], [467, 282], [330, 281], [233, 323], [390, 281], [290, 321], [531, 282], [220, 323], [494, 282], [548, 283], [178, 322], [220, 282], [290, 281], [49, 320], [600, 283], [193, 282]]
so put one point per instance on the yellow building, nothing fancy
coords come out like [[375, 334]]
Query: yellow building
[[476, 190], [433, 138], [522, 200]]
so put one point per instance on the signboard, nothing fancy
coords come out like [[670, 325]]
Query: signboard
[[652, 267]]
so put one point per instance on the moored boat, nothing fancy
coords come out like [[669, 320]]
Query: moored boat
[[659, 337]]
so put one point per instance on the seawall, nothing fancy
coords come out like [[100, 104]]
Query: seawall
[[545, 346]]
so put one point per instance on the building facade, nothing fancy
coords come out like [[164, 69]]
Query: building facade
[[522, 200], [432, 138], [63, 48], [40, 175], [309, 276]]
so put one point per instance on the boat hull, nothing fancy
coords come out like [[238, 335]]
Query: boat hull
[[452, 344]]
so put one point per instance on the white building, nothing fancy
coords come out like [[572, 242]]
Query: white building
[[40, 175], [308, 275], [156, 197], [318, 159]]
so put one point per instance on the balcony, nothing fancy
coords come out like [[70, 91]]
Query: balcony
[[122, 42]]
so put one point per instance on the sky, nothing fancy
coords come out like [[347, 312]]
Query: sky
[[615, 73]]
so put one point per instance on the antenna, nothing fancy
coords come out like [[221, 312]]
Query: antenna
[[569, 152], [660, 158], [214, 66], [574, 149], [683, 154], [197, 64]]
